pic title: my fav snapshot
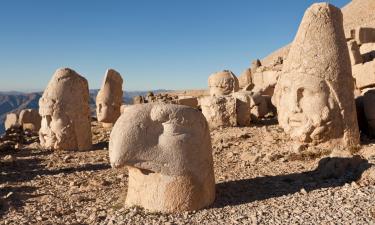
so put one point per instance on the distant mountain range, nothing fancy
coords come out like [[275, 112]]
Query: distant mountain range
[[14, 101]]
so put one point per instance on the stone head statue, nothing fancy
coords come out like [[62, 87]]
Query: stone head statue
[[109, 98], [223, 83], [314, 94], [64, 107], [167, 149], [30, 119]]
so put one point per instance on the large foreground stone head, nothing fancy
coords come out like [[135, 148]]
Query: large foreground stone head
[[109, 98], [314, 95], [64, 107], [167, 149], [223, 83]]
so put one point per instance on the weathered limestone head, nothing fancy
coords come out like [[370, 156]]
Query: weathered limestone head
[[64, 107], [167, 149], [314, 95], [30, 119], [109, 98], [223, 83]]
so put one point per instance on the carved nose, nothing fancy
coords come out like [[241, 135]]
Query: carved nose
[[295, 103]]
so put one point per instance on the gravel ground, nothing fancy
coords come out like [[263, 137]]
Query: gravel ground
[[261, 179]]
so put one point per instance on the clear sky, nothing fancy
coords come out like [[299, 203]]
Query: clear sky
[[170, 44]]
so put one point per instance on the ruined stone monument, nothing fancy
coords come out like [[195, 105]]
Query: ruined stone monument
[[314, 95], [167, 149], [109, 98], [223, 83], [30, 119], [64, 107]]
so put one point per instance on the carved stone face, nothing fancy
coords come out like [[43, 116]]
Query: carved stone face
[[106, 112], [65, 112], [109, 98], [305, 106], [223, 83]]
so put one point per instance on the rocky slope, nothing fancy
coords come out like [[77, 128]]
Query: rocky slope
[[260, 179]]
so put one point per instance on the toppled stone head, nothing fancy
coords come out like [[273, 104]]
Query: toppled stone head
[[64, 107], [314, 95], [109, 98], [167, 149], [223, 83]]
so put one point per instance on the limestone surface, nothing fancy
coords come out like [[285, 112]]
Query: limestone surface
[[223, 83], [219, 111], [30, 119], [167, 149], [64, 107], [314, 95], [109, 98]]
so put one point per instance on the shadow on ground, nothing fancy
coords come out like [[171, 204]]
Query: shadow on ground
[[331, 172]]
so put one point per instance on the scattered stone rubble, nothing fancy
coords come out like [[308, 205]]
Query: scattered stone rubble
[[167, 98]]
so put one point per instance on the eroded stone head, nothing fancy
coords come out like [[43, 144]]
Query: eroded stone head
[[223, 83], [30, 119], [109, 98], [314, 95], [64, 107], [166, 147]]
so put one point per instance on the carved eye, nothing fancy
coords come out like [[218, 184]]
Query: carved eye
[[286, 89]]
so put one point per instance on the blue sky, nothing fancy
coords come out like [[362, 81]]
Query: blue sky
[[171, 44]]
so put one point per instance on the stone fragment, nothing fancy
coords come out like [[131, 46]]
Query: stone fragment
[[258, 106], [64, 107], [314, 94], [364, 35], [369, 111], [354, 53], [223, 83], [243, 100], [109, 98], [30, 119], [167, 149], [364, 74], [244, 79], [11, 121], [138, 100], [265, 80], [188, 101], [219, 111]]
